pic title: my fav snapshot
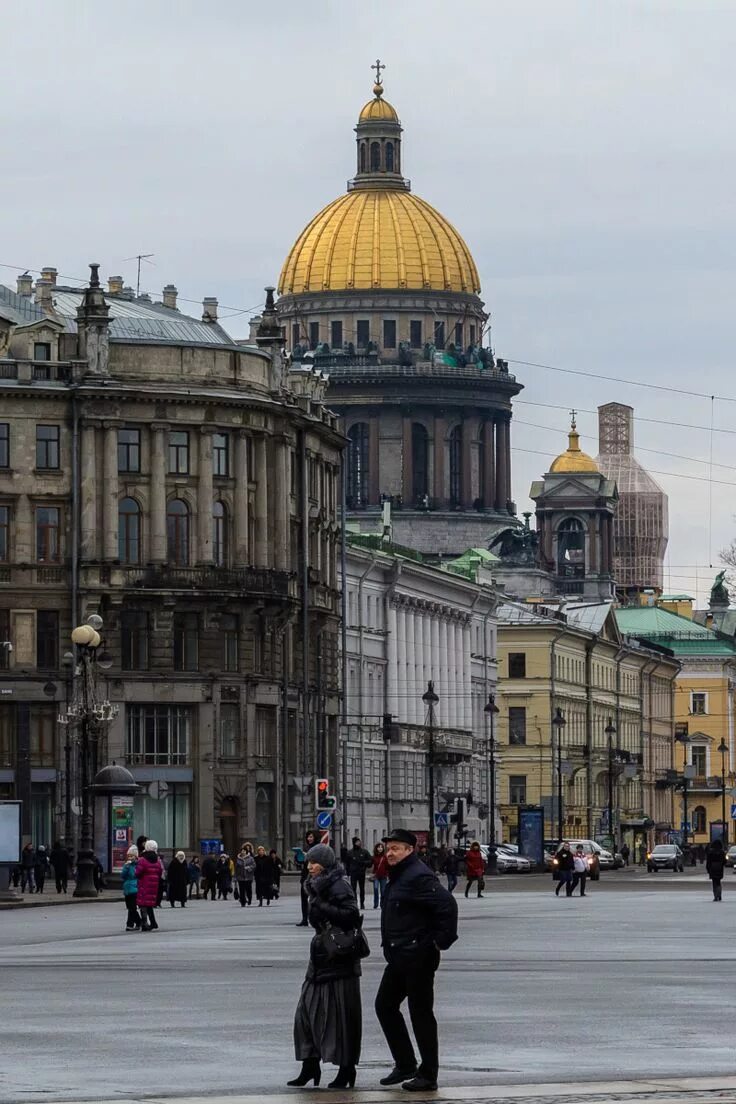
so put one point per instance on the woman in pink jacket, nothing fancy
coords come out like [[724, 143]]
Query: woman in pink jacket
[[149, 871]]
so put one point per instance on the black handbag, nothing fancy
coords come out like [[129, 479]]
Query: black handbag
[[344, 946]]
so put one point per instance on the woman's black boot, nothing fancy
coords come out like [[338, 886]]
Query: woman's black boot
[[345, 1078], [310, 1072]]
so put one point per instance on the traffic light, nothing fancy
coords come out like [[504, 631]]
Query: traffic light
[[323, 800]]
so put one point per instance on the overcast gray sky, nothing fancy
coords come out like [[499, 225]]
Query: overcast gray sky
[[585, 150]]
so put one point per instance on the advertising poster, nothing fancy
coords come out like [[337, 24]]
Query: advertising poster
[[121, 831], [531, 833]]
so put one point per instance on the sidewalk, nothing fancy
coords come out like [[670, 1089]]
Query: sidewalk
[[51, 897], [690, 1090]]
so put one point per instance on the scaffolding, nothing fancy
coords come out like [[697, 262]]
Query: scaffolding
[[641, 522]]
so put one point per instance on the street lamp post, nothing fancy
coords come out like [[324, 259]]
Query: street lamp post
[[491, 710], [430, 699], [687, 772], [558, 723], [610, 731], [723, 748]]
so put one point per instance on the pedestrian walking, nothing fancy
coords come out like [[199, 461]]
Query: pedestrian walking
[[59, 859], [209, 877], [177, 880], [27, 863], [149, 872], [715, 864], [475, 868], [359, 861], [565, 869], [224, 877], [41, 868], [264, 877], [424, 855], [579, 872], [624, 852], [450, 865], [309, 841], [130, 889], [277, 868], [328, 1019], [195, 876], [418, 920], [98, 874], [245, 871], [380, 874]]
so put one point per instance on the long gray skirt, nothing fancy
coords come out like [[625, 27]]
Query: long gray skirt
[[328, 1022]]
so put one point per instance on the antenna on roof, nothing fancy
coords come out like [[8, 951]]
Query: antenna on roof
[[139, 257]]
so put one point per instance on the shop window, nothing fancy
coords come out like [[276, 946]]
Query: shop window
[[167, 819], [43, 730]]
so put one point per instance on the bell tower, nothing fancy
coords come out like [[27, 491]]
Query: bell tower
[[378, 137]]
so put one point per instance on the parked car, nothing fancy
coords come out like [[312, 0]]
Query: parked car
[[665, 856], [731, 856], [592, 852], [510, 852], [605, 858]]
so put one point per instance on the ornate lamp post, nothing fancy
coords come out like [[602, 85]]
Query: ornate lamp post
[[610, 731], [86, 710], [430, 699], [491, 710], [558, 723], [723, 748], [688, 772]]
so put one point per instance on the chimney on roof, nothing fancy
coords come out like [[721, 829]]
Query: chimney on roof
[[49, 273], [43, 294], [209, 308], [169, 296], [114, 285], [25, 285]]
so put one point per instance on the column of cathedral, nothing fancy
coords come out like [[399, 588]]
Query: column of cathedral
[[240, 521], [407, 462], [470, 436], [440, 430], [158, 494], [205, 492], [503, 461], [374, 461], [88, 488], [489, 465]]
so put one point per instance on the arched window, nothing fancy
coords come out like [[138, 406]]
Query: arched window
[[219, 534], [129, 531], [375, 156], [177, 526], [362, 157], [357, 465], [571, 549], [389, 157], [699, 818], [456, 466], [419, 461]]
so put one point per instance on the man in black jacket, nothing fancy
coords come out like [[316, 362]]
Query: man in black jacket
[[418, 920], [359, 859]]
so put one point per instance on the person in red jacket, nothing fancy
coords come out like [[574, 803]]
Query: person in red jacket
[[149, 872], [380, 874], [475, 868]]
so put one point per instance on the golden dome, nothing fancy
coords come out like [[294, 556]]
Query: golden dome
[[379, 238], [378, 109], [574, 459]]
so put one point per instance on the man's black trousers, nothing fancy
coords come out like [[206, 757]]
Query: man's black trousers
[[417, 986]]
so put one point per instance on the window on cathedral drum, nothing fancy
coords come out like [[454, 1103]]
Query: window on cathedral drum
[[439, 335], [517, 725], [362, 333], [186, 641], [458, 335], [220, 451], [47, 534], [415, 334], [47, 639], [229, 635], [295, 334], [389, 333], [336, 335], [47, 447], [313, 335], [517, 664], [517, 789], [129, 450], [134, 635], [179, 452], [158, 735], [420, 462]]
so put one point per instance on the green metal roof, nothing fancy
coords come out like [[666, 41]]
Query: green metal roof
[[468, 563], [683, 636]]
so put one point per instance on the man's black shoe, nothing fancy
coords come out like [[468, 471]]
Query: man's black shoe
[[420, 1084], [396, 1076]]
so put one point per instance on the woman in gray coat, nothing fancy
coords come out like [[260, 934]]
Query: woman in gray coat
[[328, 1019], [245, 869]]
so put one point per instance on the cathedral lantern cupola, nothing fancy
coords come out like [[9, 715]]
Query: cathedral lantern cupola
[[378, 143]]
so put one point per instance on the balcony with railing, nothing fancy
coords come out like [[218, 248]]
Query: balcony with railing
[[244, 581], [36, 371]]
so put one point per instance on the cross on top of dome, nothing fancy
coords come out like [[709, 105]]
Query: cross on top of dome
[[378, 67]]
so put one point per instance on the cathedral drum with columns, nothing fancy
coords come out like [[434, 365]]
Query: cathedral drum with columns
[[381, 292]]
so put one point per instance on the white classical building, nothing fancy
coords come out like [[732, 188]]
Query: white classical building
[[409, 624]]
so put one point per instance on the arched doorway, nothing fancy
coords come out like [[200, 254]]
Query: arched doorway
[[229, 821]]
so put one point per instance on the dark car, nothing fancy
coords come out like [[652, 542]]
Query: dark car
[[665, 856], [731, 856]]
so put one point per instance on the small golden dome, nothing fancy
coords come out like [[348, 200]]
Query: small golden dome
[[574, 459], [379, 238], [378, 109]]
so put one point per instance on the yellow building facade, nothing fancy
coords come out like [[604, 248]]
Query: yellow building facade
[[616, 698]]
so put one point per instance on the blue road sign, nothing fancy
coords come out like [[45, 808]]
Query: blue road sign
[[733, 812], [442, 820], [685, 825], [324, 820]]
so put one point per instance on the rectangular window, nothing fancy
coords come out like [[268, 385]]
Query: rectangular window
[[7, 738], [47, 447], [699, 758], [48, 549], [4, 445], [4, 536], [179, 452], [166, 818], [517, 664], [439, 335], [295, 335], [186, 641], [415, 334], [389, 333], [265, 731], [229, 631], [229, 730], [43, 729], [134, 633], [517, 789], [41, 350], [159, 735], [313, 335], [336, 335], [458, 335], [47, 639], [129, 450], [517, 724], [220, 454], [699, 704], [4, 639], [362, 333]]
